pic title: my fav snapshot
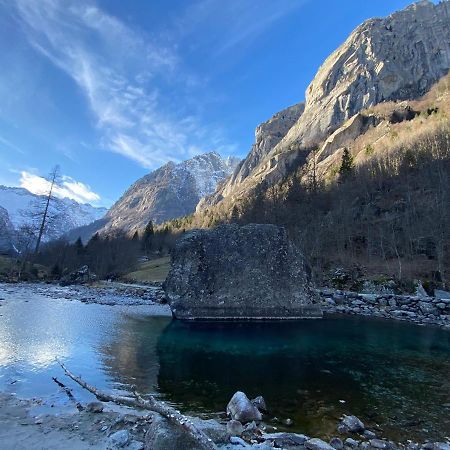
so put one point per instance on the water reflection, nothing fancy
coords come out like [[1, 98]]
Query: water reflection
[[130, 356]]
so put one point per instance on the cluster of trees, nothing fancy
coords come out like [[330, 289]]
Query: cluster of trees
[[106, 256], [389, 215]]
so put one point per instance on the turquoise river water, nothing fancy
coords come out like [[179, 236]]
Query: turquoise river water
[[394, 376]]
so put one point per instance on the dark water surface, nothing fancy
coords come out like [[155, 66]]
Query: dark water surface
[[390, 374]]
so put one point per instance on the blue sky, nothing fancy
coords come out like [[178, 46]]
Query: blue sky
[[112, 89]]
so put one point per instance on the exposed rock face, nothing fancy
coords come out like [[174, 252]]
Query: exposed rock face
[[395, 58], [7, 233], [267, 135], [173, 190], [232, 272]]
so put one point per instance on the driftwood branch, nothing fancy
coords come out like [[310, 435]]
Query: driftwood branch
[[69, 393], [150, 404]]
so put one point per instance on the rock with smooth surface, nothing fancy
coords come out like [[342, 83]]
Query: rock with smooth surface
[[352, 424], [119, 439], [240, 408], [317, 444], [235, 428]]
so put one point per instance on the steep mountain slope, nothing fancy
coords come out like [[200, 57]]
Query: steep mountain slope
[[396, 58], [172, 191], [66, 214]]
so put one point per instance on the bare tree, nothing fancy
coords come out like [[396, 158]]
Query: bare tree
[[49, 196]]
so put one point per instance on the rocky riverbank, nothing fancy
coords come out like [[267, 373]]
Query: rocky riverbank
[[95, 426], [420, 309], [103, 293]]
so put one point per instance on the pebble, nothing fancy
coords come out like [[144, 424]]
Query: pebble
[[94, 407], [118, 439], [337, 443], [238, 441]]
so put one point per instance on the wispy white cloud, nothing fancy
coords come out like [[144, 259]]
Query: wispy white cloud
[[6, 143], [119, 71], [234, 24], [66, 188]]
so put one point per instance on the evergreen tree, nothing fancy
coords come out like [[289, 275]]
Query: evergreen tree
[[79, 247], [346, 170], [147, 238]]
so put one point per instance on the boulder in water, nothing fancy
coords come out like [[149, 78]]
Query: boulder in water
[[240, 408], [239, 272]]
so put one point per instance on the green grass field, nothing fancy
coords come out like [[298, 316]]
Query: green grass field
[[153, 270]]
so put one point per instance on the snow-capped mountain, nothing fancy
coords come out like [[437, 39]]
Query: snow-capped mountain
[[171, 191], [65, 214]]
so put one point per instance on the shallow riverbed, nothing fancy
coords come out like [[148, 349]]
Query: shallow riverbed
[[392, 375]]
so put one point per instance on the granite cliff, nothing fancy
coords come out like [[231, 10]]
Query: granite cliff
[[394, 58]]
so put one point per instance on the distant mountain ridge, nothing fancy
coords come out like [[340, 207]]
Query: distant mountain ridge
[[17, 205], [172, 191]]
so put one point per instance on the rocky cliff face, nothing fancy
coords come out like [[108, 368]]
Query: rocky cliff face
[[173, 190], [232, 272], [7, 233], [395, 58]]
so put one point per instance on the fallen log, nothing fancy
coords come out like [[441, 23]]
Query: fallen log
[[69, 393], [150, 404]]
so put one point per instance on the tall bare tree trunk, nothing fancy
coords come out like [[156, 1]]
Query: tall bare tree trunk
[[53, 176]]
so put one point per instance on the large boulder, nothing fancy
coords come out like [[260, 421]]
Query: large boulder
[[164, 435], [239, 272], [242, 409]]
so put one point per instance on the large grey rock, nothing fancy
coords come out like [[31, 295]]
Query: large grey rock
[[163, 435], [232, 272], [395, 58], [441, 294], [240, 408]]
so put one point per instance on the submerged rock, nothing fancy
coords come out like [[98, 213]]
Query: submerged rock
[[352, 424], [233, 272], [240, 408]]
